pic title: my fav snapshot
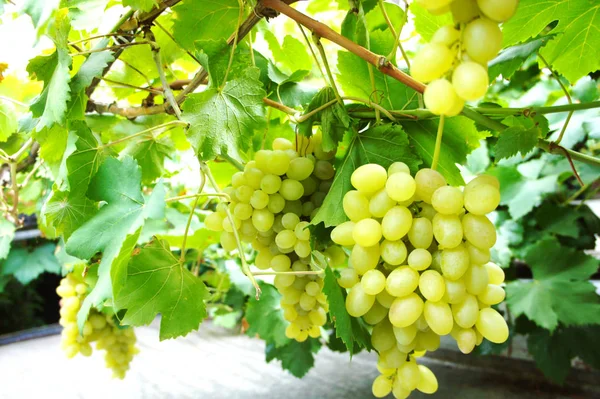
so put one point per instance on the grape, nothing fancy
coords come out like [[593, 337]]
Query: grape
[[262, 219], [498, 10], [470, 80], [342, 234], [376, 314], [428, 181], [262, 158], [291, 190], [419, 259], [373, 282], [280, 263], [495, 273], [270, 184], [479, 231], [348, 278], [259, 199], [307, 302], [283, 281], [396, 223], [428, 340], [464, 11], [406, 310], [228, 241], [393, 252], [446, 35], [439, 97], [310, 186], [466, 312], [399, 391], [434, 4], [455, 262], [421, 233], [457, 107], [431, 62], [276, 203], [379, 204], [447, 200], [318, 316], [476, 279], [335, 255], [358, 302], [369, 178], [364, 259], [282, 144], [242, 212], [439, 317], [214, 222], [324, 170], [402, 281], [302, 231], [409, 375], [398, 167], [392, 358], [382, 386], [400, 186], [478, 256], [492, 326], [481, 199], [455, 292], [385, 299], [428, 383], [302, 248], [482, 40], [367, 232], [253, 177], [244, 193], [432, 285], [447, 230], [492, 295], [483, 179], [300, 168], [238, 179], [293, 207], [382, 337], [356, 206]]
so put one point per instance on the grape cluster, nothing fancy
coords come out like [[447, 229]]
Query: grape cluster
[[419, 268], [119, 343], [454, 62], [271, 204]]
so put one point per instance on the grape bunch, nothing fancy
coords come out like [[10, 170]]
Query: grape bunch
[[119, 343], [454, 62], [419, 268], [271, 204]]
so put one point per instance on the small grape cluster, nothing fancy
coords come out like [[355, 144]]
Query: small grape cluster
[[119, 343], [454, 62], [271, 204], [419, 268]]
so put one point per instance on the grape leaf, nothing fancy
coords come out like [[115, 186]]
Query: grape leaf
[[347, 328], [7, 233], [214, 56], [291, 55], [142, 5], [157, 282], [576, 33], [150, 153], [460, 138], [560, 291], [8, 121], [223, 121], [265, 317], [201, 20], [40, 12], [296, 357], [520, 137], [426, 23], [384, 145], [27, 265], [512, 58]]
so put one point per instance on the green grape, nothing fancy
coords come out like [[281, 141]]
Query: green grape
[[270, 184], [492, 326], [393, 252], [428, 383], [276, 203], [238, 179], [482, 40], [476, 279], [382, 337], [302, 231], [282, 281], [310, 185], [431, 62], [402, 281], [495, 273], [466, 312], [409, 375], [289, 312], [447, 230], [243, 212], [290, 295], [432, 285], [318, 317], [385, 299], [439, 317], [259, 199], [382, 386], [380, 204], [263, 260], [293, 207], [464, 11], [400, 186], [324, 170], [280, 263], [369, 178], [325, 185], [262, 158], [282, 144], [307, 302], [398, 391], [277, 226], [492, 295], [428, 340], [358, 302], [421, 233], [279, 163], [367, 232], [356, 206], [252, 177], [335, 255], [479, 231], [428, 181], [228, 241], [342, 234], [439, 97], [483, 179], [455, 291], [214, 222], [290, 221], [373, 282], [455, 262], [398, 167], [478, 256], [244, 193], [482, 199], [498, 10], [262, 219], [447, 200], [317, 198], [291, 190], [406, 310], [396, 223], [405, 335], [376, 314], [286, 239], [308, 208], [302, 248], [457, 107], [446, 35], [364, 259], [419, 259], [470, 80]]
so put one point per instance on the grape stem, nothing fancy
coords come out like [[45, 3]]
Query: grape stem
[[233, 44], [438, 143], [143, 132], [317, 41], [306, 273], [225, 196], [167, 93], [192, 212]]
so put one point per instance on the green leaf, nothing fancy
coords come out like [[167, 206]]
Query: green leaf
[[27, 265], [214, 56], [520, 137], [265, 317], [576, 33], [202, 20], [511, 59], [560, 291], [348, 329], [142, 5], [426, 23], [40, 12], [384, 145], [7, 233], [296, 357], [157, 282], [8, 121], [291, 55], [224, 121], [150, 154], [459, 139]]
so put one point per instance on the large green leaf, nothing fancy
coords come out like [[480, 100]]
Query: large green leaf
[[520, 137], [8, 121], [40, 12], [7, 232], [425, 22], [296, 357], [27, 265], [511, 59], [215, 55], [157, 282], [291, 55], [265, 316], [142, 5]]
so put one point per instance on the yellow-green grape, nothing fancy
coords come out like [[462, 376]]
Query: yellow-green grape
[[432, 285], [402, 281], [228, 241], [318, 198], [406, 310], [434, 4], [447, 200], [318, 317], [379, 204], [476, 279], [398, 391], [244, 193], [495, 273], [238, 179], [478, 256], [282, 144], [302, 248], [263, 260], [367, 232], [454, 262], [447, 230], [392, 358], [292, 331], [455, 291], [465, 339], [276, 203], [270, 184], [364, 259], [470, 80], [398, 167], [262, 158], [307, 302], [428, 340], [498, 10], [464, 11], [214, 222], [358, 302], [253, 177], [310, 185], [479, 231], [483, 179], [290, 221], [382, 386], [262, 219], [457, 107], [439, 11], [280, 263], [227, 224], [356, 206], [369, 178], [431, 62], [342, 234], [400, 186], [421, 233], [335, 255], [393, 252], [396, 223], [385, 299], [439, 317], [492, 326], [376, 314], [279, 163], [419, 259], [383, 337], [439, 97], [492, 295], [482, 40], [300, 168], [243, 212], [446, 35], [373, 282], [466, 312], [259, 199], [291, 190], [428, 181], [482, 199], [324, 170], [348, 278], [282, 281], [428, 383], [405, 335], [409, 375]]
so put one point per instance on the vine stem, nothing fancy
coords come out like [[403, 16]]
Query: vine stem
[[321, 49], [312, 50], [199, 195], [372, 105], [192, 211], [569, 99], [245, 268], [87, 39], [110, 48], [234, 44], [308, 115], [143, 132], [438, 143], [306, 273], [163, 79]]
